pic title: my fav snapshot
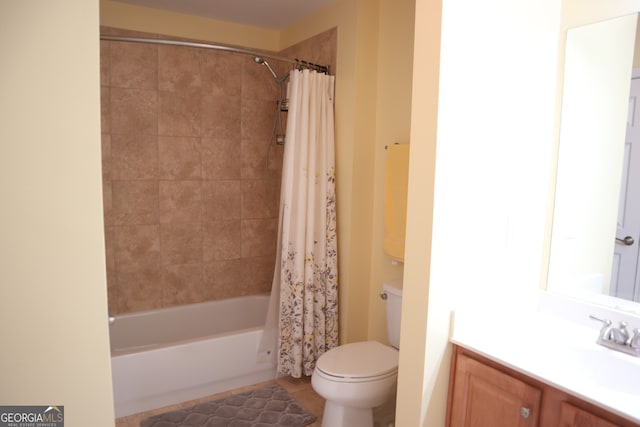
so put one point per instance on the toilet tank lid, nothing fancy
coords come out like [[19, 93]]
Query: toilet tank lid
[[359, 360], [393, 286]]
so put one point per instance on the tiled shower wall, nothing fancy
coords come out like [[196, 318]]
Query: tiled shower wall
[[191, 179]]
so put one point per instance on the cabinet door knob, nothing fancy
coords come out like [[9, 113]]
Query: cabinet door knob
[[525, 412]]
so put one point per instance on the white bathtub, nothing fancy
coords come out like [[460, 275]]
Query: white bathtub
[[172, 355]]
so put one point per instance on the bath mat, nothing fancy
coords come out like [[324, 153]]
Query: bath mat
[[269, 406]]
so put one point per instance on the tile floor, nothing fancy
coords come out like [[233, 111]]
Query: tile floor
[[300, 389]]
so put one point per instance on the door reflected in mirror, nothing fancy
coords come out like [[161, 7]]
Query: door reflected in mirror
[[594, 157], [624, 275]]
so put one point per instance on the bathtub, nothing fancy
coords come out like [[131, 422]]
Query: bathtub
[[167, 356]]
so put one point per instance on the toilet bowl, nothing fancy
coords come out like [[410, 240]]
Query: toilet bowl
[[357, 377]]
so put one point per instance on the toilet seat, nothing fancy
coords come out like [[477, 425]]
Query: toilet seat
[[360, 361]]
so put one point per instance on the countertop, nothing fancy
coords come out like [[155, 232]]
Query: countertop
[[550, 345]]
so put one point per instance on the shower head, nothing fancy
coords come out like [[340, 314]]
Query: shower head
[[262, 61]]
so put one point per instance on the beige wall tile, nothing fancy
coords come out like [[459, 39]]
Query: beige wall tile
[[190, 201], [221, 116], [139, 290], [134, 156], [257, 273], [221, 241], [254, 158], [222, 279], [221, 200], [105, 63], [257, 118], [257, 81], [181, 284], [107, 202], [220, 73], [179, 114], [105, 109], [135, 202], [134, 111], [112, 292], [276, 155], [137, 247], [179, 158], [179, 68], [181, 243], [260, 198], [258, 237], [109, 236], [221, 158], [134, 65], [105, 142], [180, 202], [319, 49]]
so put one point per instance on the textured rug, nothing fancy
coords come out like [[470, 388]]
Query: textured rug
[[269, 406]]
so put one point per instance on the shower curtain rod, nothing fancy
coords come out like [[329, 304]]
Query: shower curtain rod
[[296, 62]]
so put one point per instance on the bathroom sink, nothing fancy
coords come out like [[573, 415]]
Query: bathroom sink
[[620, 376], [575, 356], [597, 366]]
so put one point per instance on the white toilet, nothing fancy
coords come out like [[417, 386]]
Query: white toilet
[[355, 378]]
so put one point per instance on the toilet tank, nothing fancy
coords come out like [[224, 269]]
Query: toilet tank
[[393, 291]]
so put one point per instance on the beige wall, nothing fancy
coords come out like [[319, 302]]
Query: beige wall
[[393, 121], [491, 129], [54, 301], [577, 12], [126, 16], [415, 394]]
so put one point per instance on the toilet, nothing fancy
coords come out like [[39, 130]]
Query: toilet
[[357, 377]]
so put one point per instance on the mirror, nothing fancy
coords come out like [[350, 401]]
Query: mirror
[[593, 159]]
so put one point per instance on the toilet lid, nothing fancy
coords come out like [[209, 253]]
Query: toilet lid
[[359, 360]]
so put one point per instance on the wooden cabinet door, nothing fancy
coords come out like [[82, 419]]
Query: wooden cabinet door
[[485, 397], [570, 416]]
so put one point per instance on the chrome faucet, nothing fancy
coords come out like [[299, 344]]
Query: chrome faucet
[[618, 338], [634, 341]]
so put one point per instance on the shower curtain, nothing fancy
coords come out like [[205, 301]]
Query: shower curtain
[[304, 294]]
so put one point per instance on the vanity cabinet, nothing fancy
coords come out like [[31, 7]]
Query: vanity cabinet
[[572, 416], [483, 393], [485, 396]]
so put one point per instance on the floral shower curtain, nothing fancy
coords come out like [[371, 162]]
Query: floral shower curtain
[[305, 284]]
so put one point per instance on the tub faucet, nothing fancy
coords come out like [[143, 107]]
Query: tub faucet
[[618, 338]]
